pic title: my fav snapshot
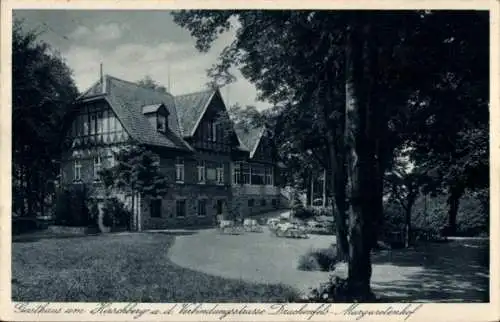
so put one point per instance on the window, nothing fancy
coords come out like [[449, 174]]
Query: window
[[155, 208], [202, 207], [274, 203], [201, 171], [161, 122], [245, 173], [263, 202], [208, 130], [237, 173], [77, 173], [179, 170], [97, 167], [214, 127], [241, 173], [269, 176], [250, 202], [110, 160], [92, 123], [220, 173], [257, 175], [85, 121], [99, 125], [180, 208]]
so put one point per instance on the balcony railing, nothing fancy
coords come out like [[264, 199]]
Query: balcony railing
[[262, 190]]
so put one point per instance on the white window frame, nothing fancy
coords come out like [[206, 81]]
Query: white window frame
[[177, 208], [248, 166], [219, 174], [179, 170], [236, 172], [269, 176], [99, 123], [198, 207], [202, 175], [97, 167], [111, 160], [257, 171], [93, 123], [77, 170]]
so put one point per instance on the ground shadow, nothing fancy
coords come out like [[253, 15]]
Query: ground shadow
[[457, 271]]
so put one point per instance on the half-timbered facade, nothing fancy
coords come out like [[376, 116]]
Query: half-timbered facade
[[211, 170]]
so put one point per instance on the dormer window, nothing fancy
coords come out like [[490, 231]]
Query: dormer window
[[161, 122], [157, 114]]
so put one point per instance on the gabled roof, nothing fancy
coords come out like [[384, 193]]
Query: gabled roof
[[127, 99], [250, 137], [191, 108]]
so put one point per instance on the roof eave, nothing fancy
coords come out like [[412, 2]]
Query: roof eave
[[257, 143], [200, 117]]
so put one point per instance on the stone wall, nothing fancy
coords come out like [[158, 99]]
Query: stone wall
[[191, 193]]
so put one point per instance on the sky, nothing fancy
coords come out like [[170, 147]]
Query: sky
[[131, 45]]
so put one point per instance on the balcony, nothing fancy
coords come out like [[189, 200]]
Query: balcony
[[261, 190]]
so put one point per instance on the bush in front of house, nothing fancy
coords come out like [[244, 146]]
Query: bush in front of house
[[74, 208], [23, 225], [299, 211], [323, 259], [115, 214]]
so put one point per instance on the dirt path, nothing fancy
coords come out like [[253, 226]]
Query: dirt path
[[453, 271]]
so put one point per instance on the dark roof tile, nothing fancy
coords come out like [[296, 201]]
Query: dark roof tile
[[190, 107], [127, 99], [249, 137]]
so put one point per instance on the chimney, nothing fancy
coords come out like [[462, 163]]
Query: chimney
[[168, 84], [103, 81]]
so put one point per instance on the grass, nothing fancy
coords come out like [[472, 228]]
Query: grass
[[121, 267]]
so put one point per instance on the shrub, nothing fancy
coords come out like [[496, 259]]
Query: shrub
[[473, 215], [336, 290], [308, 262], [298, 210], [115, 214], [323, 259], [430, 216], [25, 225], [73, 208]]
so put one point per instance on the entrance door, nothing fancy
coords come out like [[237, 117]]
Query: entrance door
[[220, 206]]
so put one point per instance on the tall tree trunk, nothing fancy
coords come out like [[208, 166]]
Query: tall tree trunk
[[29, 194], [453, 204], [308, 189], [359, 165], [376, 130], [408, 226], [312, 188], [336, 174], [324, 188], [337, 178]]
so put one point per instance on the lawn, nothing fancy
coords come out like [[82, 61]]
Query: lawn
[[128, 267]]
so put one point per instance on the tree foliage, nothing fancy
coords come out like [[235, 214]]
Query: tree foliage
[[150, 83], [136, 172], [42, 93], [352, 88]]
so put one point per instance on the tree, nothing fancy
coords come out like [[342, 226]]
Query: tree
[[43, 91], [148, 82], [404, 182], [452, 104], [137, 172], [345, 103]]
